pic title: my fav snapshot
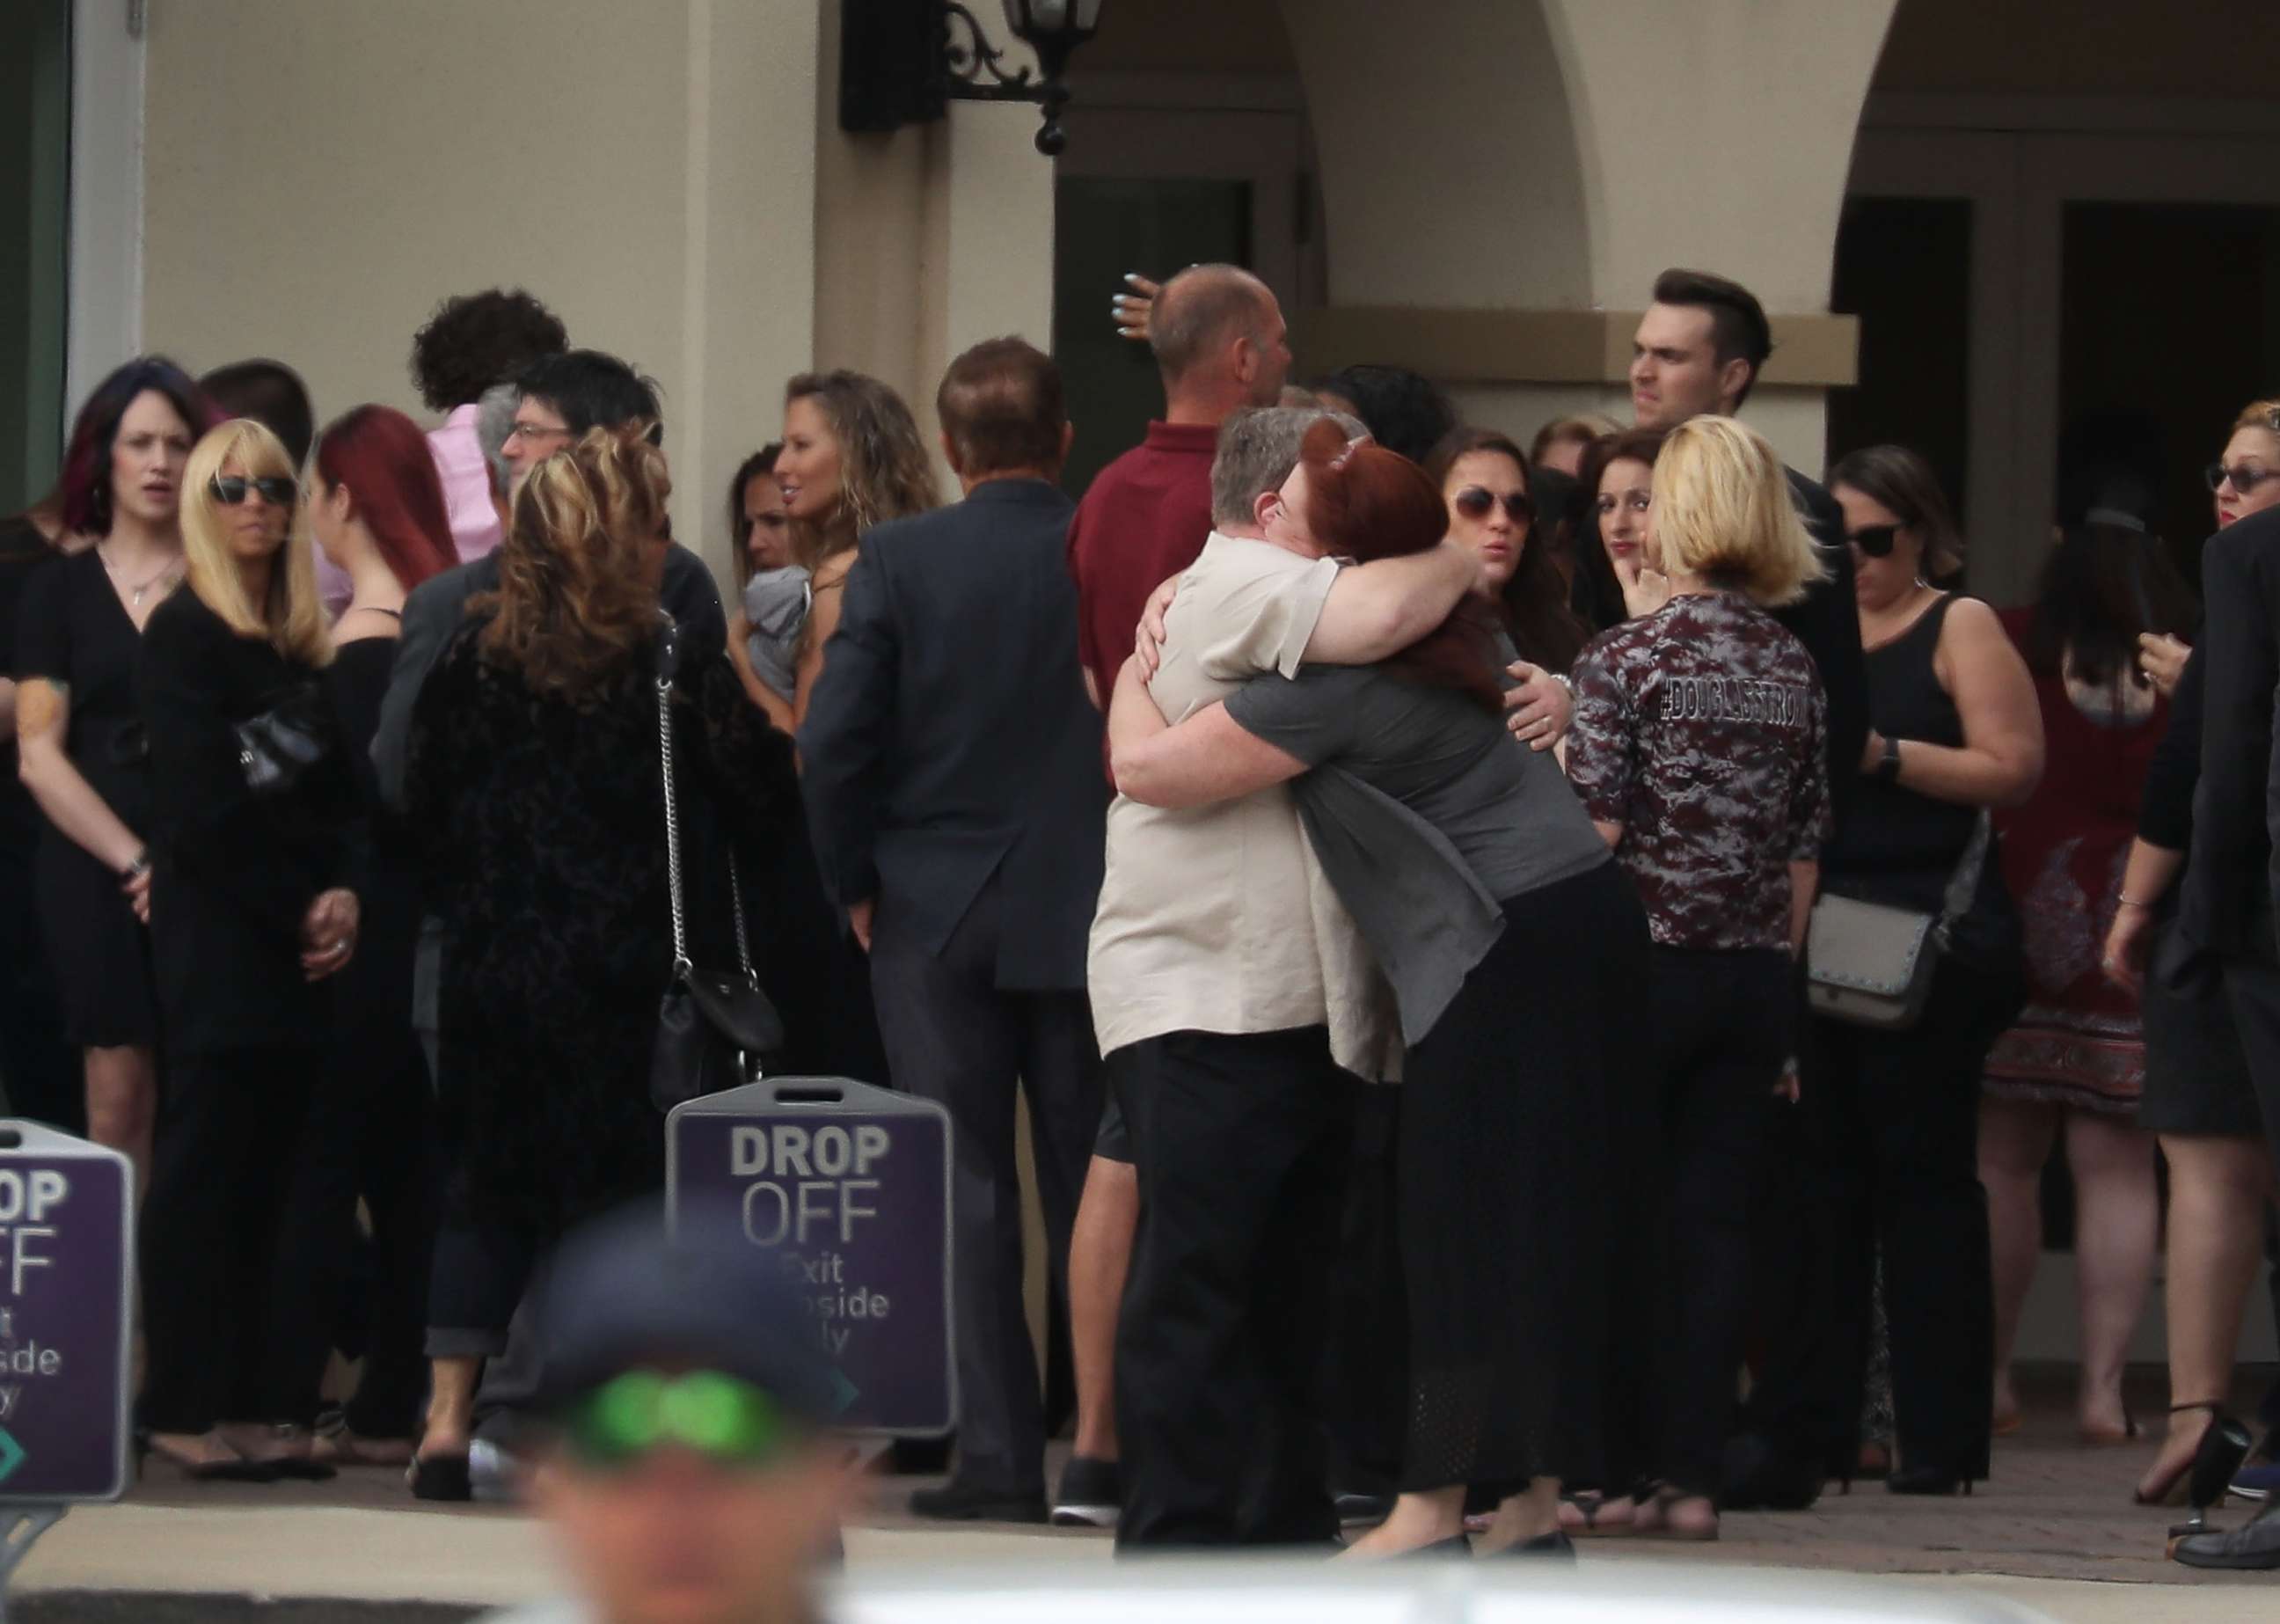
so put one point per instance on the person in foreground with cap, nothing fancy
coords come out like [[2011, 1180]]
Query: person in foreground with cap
[[690, 1478]]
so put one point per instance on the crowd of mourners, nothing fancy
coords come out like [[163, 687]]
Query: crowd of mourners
[[1545, 977]]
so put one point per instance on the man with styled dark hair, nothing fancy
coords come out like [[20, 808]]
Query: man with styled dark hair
[[952, 776], [564, 396], [1735, 345]]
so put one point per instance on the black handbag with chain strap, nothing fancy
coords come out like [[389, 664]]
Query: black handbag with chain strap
[[713, 1027]]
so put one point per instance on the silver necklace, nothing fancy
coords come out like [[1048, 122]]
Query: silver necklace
[[137, 593]]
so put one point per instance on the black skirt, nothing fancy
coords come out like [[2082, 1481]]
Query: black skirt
[[98, 951], [2197, 1077], [1500, 1172]]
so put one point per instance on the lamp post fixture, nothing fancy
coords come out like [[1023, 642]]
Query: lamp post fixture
[[904, 61]]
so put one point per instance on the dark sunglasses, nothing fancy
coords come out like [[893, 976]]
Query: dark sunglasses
[[1475, 504], [724, 1418], [2244, 480], [1876, 541], [229, 489]]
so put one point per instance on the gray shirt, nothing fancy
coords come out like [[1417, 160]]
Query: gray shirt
[[1426, 814]]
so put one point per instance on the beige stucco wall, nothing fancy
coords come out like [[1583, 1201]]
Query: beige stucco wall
[[320, 174], [929, 238]]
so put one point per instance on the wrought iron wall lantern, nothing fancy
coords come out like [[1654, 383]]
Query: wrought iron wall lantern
[[904, 61]]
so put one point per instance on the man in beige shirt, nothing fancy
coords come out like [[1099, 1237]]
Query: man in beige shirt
[[1236, 1005]]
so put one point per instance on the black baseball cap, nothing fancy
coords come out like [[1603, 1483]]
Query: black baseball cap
[[622, 1294]]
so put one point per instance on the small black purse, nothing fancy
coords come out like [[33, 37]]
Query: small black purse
[[283, 744], [713, 1028]]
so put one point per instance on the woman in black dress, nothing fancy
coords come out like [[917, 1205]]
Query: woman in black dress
[[113, 517], [533, 789], [377, 508], [250, 802], [1894, 1116]]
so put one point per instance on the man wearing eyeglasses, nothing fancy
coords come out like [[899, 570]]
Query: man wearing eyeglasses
[[688, 1473]]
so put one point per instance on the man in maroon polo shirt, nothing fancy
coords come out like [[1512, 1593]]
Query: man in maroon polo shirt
[[1218, 338]]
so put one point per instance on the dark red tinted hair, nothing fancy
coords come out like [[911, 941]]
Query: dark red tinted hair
[[1366, 502], [81, 502], [382, 457]]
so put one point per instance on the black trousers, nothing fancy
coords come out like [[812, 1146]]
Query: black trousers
[[228, 1304], [368, 1139], [1720, 1031], [1241, 1144], [1891, 1133], [954, 1035]]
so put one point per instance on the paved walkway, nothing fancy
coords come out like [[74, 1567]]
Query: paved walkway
[[2055, 1529]]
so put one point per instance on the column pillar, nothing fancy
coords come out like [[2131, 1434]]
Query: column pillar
[[1504, 232]]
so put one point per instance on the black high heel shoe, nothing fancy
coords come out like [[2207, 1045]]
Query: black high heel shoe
[[1928, 1481], [2170, 1490]]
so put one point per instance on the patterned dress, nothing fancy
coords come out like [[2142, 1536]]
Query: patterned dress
[[2077, 1042]]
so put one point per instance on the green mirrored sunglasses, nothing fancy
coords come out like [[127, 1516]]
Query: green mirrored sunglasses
[[727, 1421]]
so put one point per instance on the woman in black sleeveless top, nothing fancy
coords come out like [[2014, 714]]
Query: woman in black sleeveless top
[[1893, 1117]]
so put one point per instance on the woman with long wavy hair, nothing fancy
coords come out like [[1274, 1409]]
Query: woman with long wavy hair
[[250, 800], [851, 459], [534, 789]]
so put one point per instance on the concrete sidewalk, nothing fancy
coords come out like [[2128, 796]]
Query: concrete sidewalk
[[2055, 1530]]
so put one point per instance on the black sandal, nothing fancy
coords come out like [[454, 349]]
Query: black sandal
[[2171, 1491]]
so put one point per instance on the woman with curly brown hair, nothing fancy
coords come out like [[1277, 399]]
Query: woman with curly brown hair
[[534, 789], [851, 459]]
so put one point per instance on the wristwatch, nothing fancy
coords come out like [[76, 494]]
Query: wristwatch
[[1888, 765], [136, 869]]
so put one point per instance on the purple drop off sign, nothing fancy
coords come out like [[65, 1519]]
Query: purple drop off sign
[[846, 1189], [66, 1285]]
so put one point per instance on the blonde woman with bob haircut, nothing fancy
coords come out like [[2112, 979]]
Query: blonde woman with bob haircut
[[535, 793], [1698, 749], [251, 798], [1723, 515]]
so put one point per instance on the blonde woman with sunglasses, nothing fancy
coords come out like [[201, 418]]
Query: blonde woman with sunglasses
[[250, 800]]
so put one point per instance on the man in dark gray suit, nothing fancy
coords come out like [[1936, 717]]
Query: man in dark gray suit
[[954, 784]]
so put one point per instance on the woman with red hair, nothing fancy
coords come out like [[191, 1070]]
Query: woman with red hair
[[377, 506], [1511, 941]]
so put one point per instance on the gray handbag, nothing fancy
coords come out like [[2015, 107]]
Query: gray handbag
[[1869, 963]]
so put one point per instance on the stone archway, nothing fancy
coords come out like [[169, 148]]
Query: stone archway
[[1503, 177]]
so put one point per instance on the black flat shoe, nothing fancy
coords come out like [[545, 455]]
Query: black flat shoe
[[440, 1477], [300, 1468], [1552, 1547], [952, 1503], [1457, 1545], [1928, 1481]]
